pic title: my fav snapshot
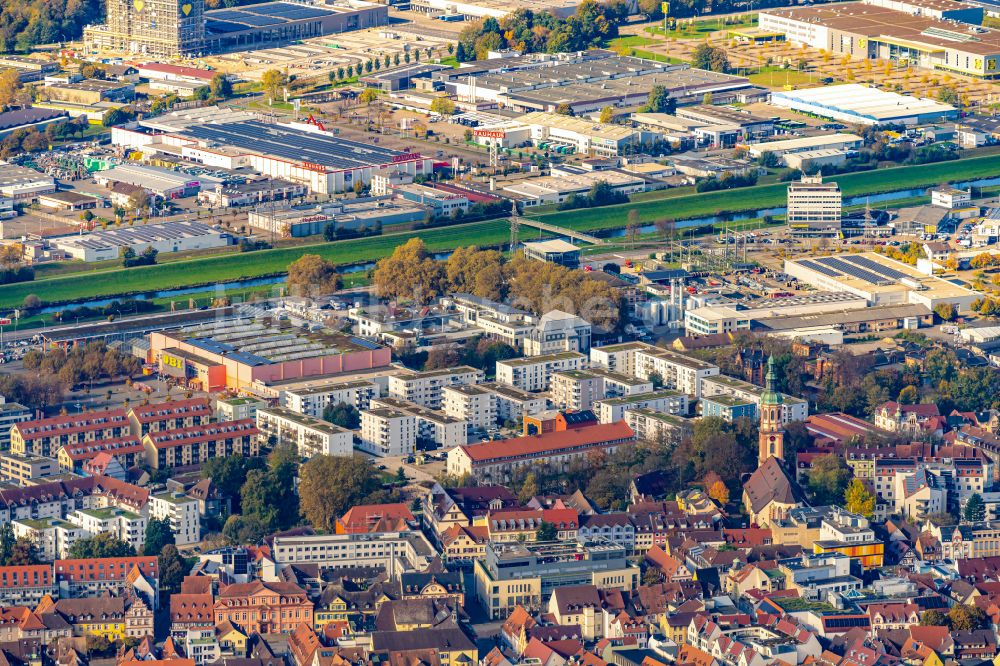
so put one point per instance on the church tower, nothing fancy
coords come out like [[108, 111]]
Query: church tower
[[772, 434]]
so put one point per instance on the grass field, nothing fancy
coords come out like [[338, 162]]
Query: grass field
[[766, 196], [231, 267], [701, 29], [213, 270]]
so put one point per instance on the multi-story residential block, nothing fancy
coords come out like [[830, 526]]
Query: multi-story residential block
[[518, 574], [499, 321], [651, 426], [727, 407], [665, 401], [474, 404], [44, 437], [617, 358], [792, 408], [21, 468], [238, 408], [513, 403], [124, 525], [127, 450], [182, 513], [263, 607], [909, 420], [464, 544], [195, 445], [200, 645], [674, 370], [498, 462], [52, 536], [118, 576], [388, 432], [309, 435], [102, 617], [556, 332], [618, 385], [57, 499], [918, 488], [432, 426], [394, 552], [576, 389], [313, 400], [10, 414], [26, 585], [424, 388], [535, 373], [172, 415], [618, 528], [966, 541]]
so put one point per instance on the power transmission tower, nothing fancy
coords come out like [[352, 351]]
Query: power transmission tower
[[515, 227]]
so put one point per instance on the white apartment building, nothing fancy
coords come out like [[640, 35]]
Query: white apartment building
[[618, 358], [313, 400], [714, 319], [814, 204], [792, 408], [651, 425], [432, 425], [558, 331], [534, 373], [576, 389], [395, 552], [665, 401], [424, 388], [310, 436], [513, 403], [388, 432], [472, 403], [675, 370], [123, 525], [237, 409], [182, 513], [53, 537], [617, 384]]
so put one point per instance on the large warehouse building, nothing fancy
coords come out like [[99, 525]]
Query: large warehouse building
[[239, 354], [171, 28], [863, 30], [178, 236], [584, 82], [297, 152], [861, 105], [882, 281]]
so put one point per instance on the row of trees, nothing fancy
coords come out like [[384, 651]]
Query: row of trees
[[82, 363], [410, 273], [592, 24], [600, 194], [264, 498]]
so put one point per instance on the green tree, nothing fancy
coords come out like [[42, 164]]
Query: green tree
[[710, 57], [7, 541], [244, 530], [857, 499], [228, 474], [269, 494], [546, 532], [659, 101], [158, 535], [828, 479], [273, 80], [607, 115], [443, 106], [343, 415], [329, 485], [101, 545], [963, 617], [933, 618], [945, 311], [220, 86], [975, 509], [909, 395], [24, 553], [312, 275], [172, 568], [529, 488]]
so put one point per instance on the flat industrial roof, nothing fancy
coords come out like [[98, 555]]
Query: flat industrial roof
[[861, 100], [137, 235], [295, 145]]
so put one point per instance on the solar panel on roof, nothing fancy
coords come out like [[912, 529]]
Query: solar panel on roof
[[366, 344], [218, 27], [854, 271], [818, 268], [876, 267]]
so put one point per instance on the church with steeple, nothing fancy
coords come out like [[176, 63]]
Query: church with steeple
[[771, 492]]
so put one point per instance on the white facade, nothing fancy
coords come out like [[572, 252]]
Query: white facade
[[310, 436], [51, 536], [393, 551], [792, 408], [676, 371], [558, 331], [182, 512], [123, 525], [471, 403], [424, 388], [813, 203], [535, 373], [237, 409], [388, 432], [664, 401], [313, 400], [432, 425], [513, 403]]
